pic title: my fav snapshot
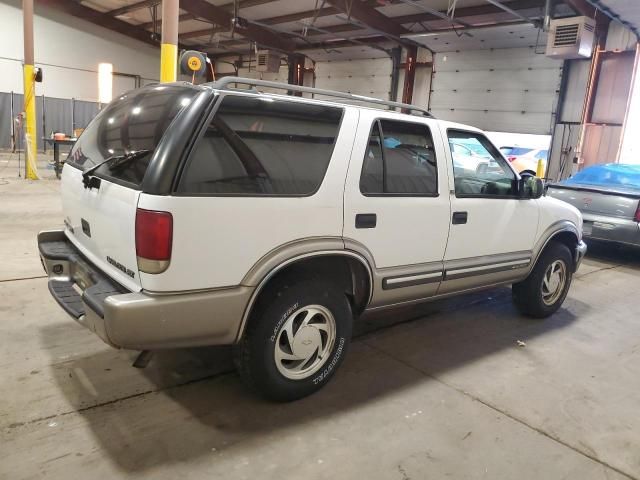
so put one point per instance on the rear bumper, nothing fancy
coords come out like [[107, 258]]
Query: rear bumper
[[137, 320], [611, 229]]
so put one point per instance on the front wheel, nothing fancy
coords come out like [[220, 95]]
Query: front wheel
[[296, 338], [544, 290]]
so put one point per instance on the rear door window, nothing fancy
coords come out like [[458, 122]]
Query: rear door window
[[400, 160], [135, 121], [262, 146]]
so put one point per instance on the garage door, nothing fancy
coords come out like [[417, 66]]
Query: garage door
[[370, 77], [504, 90]]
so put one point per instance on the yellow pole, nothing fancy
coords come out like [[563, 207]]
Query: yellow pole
[[168, 62], [31, 143], [540, 169], [169, 42]]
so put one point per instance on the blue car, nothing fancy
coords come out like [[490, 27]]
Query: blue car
[[609, 198]]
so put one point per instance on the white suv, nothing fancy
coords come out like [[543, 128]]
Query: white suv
[[209, 215]]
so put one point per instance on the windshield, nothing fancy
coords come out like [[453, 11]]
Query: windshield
[[133, 122], [611, 175]]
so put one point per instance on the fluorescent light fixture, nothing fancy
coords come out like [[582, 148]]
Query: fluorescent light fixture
[[422, 34], [105, 82]]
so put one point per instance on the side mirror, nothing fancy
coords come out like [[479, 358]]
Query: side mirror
[[530, 186]]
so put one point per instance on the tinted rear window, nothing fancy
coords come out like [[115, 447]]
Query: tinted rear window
[[135, 121], [261, 146]]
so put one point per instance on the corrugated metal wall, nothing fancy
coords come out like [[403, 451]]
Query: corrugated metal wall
[[60, 115], [567, 132], [506, 90]]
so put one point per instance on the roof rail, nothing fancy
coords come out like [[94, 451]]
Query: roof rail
[[224, 84]]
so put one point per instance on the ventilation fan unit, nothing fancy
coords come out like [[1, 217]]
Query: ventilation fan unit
[[570, 38], [267, 61]]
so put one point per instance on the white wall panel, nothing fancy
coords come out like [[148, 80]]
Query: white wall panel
[[69, 51], [512, 90]]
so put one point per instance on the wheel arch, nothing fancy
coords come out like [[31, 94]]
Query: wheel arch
[[564, 232], [345, 266]]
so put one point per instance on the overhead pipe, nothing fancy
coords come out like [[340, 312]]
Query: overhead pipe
[[548, 14], [502, 6]]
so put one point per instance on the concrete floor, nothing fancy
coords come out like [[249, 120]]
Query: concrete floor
[[438, 391]]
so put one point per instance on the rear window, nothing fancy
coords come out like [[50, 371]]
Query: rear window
[[262, 146], [135, 121], [617, 175]]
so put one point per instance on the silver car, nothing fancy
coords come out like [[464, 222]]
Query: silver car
[[609, 198]]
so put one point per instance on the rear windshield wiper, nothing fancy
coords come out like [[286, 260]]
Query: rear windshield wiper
[[121, 159]]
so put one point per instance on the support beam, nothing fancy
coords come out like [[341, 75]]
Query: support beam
[[582, 7], [99, 18], [182, 18], [370, 17], [295, 63], [465, 12], [461, 13], [219, 16], [31, 144], [169, 44], [132, 7], [409, 74], [511, 11]]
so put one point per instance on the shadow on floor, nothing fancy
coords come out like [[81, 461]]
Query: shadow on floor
[[186, 403], [613, 254]]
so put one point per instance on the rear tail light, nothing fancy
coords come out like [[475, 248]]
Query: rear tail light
[[511, 158], [154, 238], [636, 217]]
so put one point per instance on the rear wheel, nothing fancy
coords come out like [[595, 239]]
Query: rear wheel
[[296, 338], [544, 290]]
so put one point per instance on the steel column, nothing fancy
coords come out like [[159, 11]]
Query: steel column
[[409, 74], [31, 144], [295, 63], [169, 44]]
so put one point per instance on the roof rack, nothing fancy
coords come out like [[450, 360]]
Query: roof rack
[[224, 84]]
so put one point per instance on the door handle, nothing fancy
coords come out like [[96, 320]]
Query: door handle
[[459, 218], [366, 220]]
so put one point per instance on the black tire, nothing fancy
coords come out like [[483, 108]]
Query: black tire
[[255, 355], [528, 295]]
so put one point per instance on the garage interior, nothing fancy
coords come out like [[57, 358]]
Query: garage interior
[[458, 388]]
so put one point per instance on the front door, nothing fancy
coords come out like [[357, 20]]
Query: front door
[[397, 204], [492, 230]]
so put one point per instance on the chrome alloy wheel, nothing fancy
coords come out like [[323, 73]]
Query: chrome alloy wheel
[[553, 282], [305, 341]]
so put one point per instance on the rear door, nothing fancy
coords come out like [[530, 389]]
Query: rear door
[[395, 204], [100, 221]]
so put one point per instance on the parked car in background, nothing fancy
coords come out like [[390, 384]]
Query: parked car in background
[[510, 153], [528, 162], [609, 198], [465, 158]]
